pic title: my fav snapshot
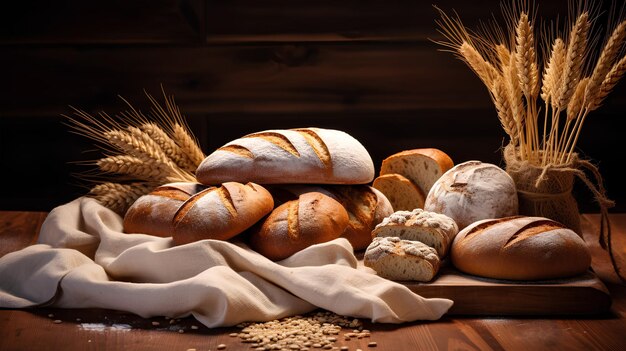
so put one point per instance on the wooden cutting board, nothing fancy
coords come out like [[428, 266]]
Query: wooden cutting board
[[581, 295]]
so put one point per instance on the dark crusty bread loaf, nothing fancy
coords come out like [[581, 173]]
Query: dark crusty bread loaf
[[520, 248], [401, 192], [397, 259], [306, 155], [311, 219], [221, 212], [154, 213], [365, 205]]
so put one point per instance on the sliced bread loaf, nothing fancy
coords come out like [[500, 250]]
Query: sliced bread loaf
[[401, 192], [422, 166], [397, 259], [433, 229]]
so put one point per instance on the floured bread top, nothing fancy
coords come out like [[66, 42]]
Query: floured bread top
[[420, 218], [382, 246]]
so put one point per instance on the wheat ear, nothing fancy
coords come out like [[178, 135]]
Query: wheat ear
[[576, 102], [485, 70], [526, 57], [169, 146], [604, 66], [119, 197], [503, 108], [187, 144], [612, 78], [504, 56], [131, 166], [553, 70], [572, 68]]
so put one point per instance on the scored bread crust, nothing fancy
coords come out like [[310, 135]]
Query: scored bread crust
[[311, 219], [153, 213], [433, 229], [221, 212], [520, 248], [305, 155], [397, 259], [402, 193], [365, 206], [422, 166]]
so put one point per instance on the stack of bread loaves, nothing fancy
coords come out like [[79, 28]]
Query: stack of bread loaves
[[249, 185], [409, 245]]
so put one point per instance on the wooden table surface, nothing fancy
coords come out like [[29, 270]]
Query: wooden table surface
[[94, 329]]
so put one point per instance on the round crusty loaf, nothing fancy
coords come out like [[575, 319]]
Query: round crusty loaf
[[365, 205], [472, 191], [153, 213], [306, 155], [520, 248], [221, 213], [402, 193], [421, 166], [311, 219], [397, 259], [433, 229]]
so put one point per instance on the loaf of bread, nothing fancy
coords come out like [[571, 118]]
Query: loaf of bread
[[401, 192], [520, 248], [154, 213], [366, 207], [421, 166], [397, 259], [433, 229], [221, 212], [307, 155], [190, 211], [472, 191], [311, 219]]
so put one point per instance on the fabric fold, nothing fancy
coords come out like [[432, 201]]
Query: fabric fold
[[83, 253]]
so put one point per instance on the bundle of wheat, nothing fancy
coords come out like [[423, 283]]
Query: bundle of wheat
[[141, 151]]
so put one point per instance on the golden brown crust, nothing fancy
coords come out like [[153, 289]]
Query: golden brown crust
[[410, 198], [443, 160], [318, 219], [238, 149], [153, 213], [520, 248], [221, 213], [276, 139]]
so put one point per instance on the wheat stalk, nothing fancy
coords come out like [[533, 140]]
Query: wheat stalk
[[526, 57], [132, 166], [505, 114], [485, 70], [604, 64], [572, 68], [118, 197], [504, 56], [187, 144], [169, 146]]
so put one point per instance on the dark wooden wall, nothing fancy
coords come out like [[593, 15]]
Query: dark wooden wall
[[235, 67]]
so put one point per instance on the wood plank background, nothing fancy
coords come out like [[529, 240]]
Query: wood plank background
[[367, 67]]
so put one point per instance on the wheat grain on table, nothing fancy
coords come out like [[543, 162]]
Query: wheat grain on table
[[87, 329]]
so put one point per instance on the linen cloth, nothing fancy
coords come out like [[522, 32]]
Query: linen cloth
[[84, 260]]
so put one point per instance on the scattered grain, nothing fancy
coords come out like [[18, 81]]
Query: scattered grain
[[57, 321], [372, 344], [155, 323], [221, 346]]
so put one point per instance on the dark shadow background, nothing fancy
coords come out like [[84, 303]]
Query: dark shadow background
[[366, 67]]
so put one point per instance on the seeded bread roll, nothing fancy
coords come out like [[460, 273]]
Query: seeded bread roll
[[365, 205], [401, 192], [154, 213], [433, 229], [311, 219], [221, 212], [472, 191], [397, 259], [307, 155], [421, 166], [520, 248]]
